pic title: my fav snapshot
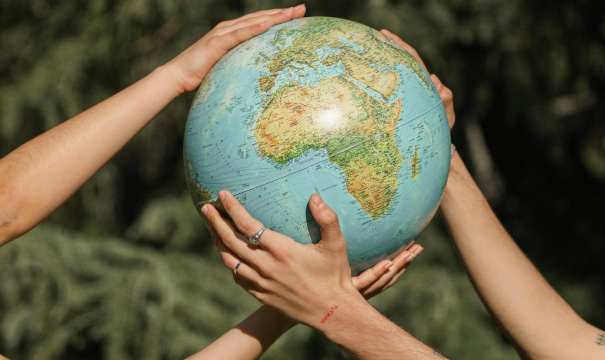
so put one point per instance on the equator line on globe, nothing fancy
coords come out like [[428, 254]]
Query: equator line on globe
[[329, 106]]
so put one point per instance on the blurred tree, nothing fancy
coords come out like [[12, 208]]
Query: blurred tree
[[124, 269]]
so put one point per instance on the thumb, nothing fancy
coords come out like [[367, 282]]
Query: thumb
[[327, 220]]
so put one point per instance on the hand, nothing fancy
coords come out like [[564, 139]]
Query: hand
[[384, 274], [446, 94], [302, 281], [191, 66], [370, 283]]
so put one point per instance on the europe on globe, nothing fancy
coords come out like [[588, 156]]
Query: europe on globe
[[328, 106]]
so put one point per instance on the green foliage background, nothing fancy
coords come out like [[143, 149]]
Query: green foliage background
[[125, 270]]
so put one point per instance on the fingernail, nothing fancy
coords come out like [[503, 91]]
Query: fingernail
[[205, 209], [318, 201], [287, 10], [418, 251], [410, 258], [222, 194], [388, 265], [299, 7]]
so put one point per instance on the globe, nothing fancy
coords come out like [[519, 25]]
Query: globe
[[328, 106]]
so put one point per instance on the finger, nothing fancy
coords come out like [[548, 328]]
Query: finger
[[405, 45], [395, 277], [369, 276], [245, 223], [229, 40], [437, 82], [273, 19], [254, 14], [213, 235], [327, 220], [243, 283], [400, 272], [244, 270], [399, 262], [445, 93], [250, 288], [448, 99], [232, 239]]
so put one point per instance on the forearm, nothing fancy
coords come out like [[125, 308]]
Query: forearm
[[535, 317], [36, 178], [250, 338], [365, 334]]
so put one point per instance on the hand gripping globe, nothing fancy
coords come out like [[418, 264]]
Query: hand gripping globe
[[328, 106]]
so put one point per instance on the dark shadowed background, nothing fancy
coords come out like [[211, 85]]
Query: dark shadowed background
[[125, 269]]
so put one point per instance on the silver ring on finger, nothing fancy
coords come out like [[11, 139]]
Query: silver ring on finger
[[237, 267], [255, 239]]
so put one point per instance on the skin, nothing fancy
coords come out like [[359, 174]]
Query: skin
[[369, 335], [253, 336], [64, 157], [71, 153], [310, 284], [539, 323], [68, 155]]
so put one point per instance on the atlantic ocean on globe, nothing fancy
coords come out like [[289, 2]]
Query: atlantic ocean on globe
[[328, 106]]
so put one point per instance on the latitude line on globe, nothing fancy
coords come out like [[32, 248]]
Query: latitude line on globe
[[320, 161]]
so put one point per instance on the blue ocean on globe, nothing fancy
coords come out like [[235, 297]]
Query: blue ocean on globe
[[328, 106]]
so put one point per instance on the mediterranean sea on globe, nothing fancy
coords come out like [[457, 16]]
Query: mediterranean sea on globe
[[328, 106]]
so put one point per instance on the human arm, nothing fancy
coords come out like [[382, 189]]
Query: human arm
[[253, 336], [311, 284], [249, 339], [37, 177], [532, 314], [538, 321]]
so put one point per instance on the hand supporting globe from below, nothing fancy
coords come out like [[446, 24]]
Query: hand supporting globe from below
[[328, 106]]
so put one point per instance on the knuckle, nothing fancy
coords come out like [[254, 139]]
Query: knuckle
[[211, 217], [280, 255], [236, 34], [260, 296], [247, 226], [238, 280], [260, 282], [213, 41], [268, 270]]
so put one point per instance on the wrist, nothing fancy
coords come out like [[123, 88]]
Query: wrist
[[167, 78], [341, 313]]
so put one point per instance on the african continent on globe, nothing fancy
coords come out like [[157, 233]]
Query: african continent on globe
[[328, 106]]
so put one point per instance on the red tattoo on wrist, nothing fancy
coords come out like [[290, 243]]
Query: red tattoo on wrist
[[329, 313]]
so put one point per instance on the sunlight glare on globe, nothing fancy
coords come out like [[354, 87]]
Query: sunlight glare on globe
[[330, 117]]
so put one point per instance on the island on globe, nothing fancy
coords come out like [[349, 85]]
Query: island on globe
[[328, 106]]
